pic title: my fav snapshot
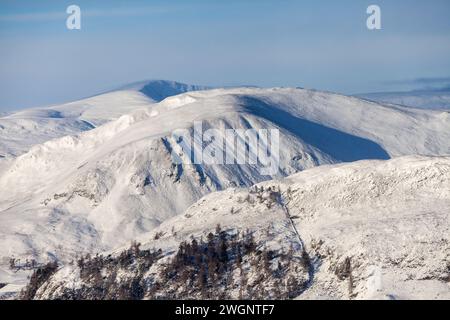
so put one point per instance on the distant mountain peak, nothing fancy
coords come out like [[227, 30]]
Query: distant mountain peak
[[158, 90]]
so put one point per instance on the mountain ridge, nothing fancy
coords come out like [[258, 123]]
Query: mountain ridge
[[435, 99], [371, 230], [24, 128], [99, 189]]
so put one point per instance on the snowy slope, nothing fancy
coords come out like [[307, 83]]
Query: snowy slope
[[102, 188], [426, 99], [23, 129], [371, 230]]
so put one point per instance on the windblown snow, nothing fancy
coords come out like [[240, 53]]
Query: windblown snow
[[97, 190]]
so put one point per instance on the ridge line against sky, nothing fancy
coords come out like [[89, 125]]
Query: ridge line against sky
[[315, 44]]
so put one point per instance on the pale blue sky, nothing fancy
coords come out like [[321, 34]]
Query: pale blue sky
[[315, 44]]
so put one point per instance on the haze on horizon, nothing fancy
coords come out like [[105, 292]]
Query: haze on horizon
[[322, 45]]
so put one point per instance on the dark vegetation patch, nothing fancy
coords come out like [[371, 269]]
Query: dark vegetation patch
[[225, 265]]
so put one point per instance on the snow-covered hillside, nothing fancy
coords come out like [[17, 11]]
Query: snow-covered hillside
[[100, 189], [426, 99], [365, 230], [23, 129]]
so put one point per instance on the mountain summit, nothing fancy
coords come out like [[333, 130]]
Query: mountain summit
[[22, 129]]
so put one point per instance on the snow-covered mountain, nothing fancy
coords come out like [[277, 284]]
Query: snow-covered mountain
[[426, 99], [23, 129], [365, 230], [100, 189]]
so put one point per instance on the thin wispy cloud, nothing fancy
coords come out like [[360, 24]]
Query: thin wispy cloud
[[97, 13], [32, 17], [436, 80]]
